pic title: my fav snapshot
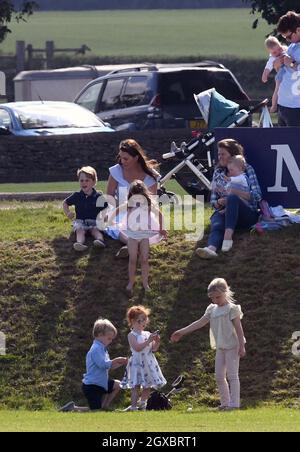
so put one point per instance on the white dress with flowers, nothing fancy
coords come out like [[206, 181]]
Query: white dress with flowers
[[142, 368]]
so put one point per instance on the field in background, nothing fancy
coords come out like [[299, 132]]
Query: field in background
[[68, 186], [173, 33]]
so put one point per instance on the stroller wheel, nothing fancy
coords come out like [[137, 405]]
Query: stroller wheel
[[168, 198]]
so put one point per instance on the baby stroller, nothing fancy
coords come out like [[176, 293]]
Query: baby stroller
[[196, 155], [160, 401]]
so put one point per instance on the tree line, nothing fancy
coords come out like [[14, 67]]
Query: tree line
[[133, 4]]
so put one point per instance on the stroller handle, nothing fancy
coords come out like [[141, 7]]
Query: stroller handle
[[257, 107]]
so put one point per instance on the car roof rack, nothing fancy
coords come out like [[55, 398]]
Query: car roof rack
[[204, 63], [144, 67]]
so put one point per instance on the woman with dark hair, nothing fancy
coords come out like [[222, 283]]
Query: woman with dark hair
[[238, 210], [133, 164]]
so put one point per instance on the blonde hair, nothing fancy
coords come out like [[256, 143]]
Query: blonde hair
[[272, 42], [102, 327], [89, 171], [135, 311], [220, 285], [239, 161]]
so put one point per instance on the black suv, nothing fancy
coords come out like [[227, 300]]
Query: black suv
[[158, 96]]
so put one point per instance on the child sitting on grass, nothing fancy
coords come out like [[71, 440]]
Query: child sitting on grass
[[87, 208], [98, 389]]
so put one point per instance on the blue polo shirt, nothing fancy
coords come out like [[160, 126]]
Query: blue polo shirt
[[98, 364], [86, 206], [289, 93]]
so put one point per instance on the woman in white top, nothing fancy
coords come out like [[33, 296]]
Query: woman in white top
[[226, 337], [133, 164]]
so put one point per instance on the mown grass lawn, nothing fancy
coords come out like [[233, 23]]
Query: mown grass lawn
[[199, 420], [68, 186]]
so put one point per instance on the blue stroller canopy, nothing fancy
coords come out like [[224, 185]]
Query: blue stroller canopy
[[216, 110]]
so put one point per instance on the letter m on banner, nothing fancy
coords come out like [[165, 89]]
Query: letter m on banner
[[284, 154], [2, 84]]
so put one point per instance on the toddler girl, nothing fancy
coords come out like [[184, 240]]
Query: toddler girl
[[143, 371]]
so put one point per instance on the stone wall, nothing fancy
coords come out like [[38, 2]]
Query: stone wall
[[55, 159]]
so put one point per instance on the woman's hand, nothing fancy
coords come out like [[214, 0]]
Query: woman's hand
[[222, 202], [164, 234], [242, 351], [71, 215], [278, 63], [176, 336]]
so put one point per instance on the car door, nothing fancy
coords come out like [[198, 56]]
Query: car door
[[135, 99], [110, 106], [6, 120], [90, 97]]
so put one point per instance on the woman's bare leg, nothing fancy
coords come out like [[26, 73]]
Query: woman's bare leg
[[133, 249], [144, 248]]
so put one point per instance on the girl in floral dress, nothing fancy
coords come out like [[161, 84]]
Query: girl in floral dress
[[143, 371]]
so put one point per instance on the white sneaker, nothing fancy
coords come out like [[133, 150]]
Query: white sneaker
[[206, 253], [131, 408], [227, 245], [68, 407], [99, 244], [80, 247], [143, 406]]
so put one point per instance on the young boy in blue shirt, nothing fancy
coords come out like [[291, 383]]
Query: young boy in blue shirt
[[88, 204], [97, 387]]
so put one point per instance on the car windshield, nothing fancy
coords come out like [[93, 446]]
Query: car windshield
[[55, 116], [179, 87]]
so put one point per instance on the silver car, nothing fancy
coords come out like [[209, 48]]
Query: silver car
[[48, 118]]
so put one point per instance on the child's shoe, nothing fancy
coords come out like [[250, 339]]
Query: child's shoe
[[206, 253], [122, 253], [80, 247], [68, 407], [227, 245], [131, 408], [142, 405], [99, 243]]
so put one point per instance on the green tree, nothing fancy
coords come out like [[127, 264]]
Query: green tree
[[272, 10], [9, 11]]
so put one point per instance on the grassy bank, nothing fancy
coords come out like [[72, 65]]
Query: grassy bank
[[50, 297]]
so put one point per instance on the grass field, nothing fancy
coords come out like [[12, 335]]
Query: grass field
[[200, 420], [146, 33], [68, 186]]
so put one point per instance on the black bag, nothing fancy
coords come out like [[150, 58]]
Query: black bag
[[158, 401]]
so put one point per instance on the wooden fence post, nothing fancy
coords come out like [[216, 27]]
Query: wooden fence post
[[49, 54], [20, 56]]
